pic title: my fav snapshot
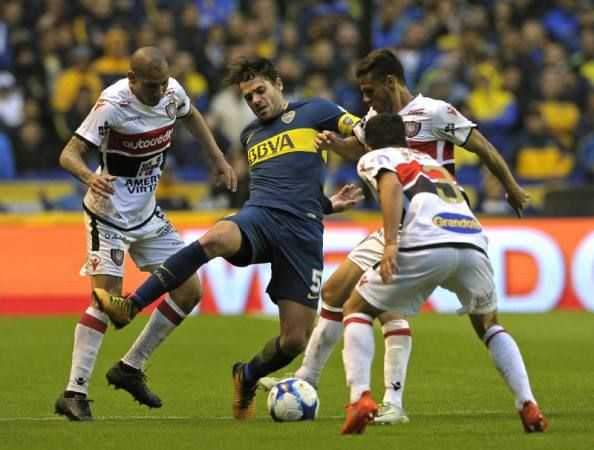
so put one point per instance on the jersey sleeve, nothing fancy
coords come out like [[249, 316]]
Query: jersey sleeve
[[359, 128], [183, 101], [450, 125], [335, 118], [103, 116], [372, 163]]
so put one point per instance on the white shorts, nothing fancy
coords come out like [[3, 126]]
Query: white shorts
[[148, 245], [465, 271], [369, 251]]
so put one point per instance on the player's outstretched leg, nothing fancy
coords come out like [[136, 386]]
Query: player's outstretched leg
[[244, 393], [120, 310], [508, 360]]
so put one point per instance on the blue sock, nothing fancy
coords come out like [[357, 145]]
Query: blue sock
[[270, 359], [170, 275]]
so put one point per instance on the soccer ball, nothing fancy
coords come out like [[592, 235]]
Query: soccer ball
[[293, 399]]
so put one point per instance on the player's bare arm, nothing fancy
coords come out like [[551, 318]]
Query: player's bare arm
[[346, 198], [516, 196], [391, 202], [349, 148], [71, 160], [196, 125]]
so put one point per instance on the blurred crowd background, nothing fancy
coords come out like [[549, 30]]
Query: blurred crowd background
[[522, 69]]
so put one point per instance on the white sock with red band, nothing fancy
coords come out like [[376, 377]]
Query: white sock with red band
[[88, 336], [508, 360], [164, 319], [323, 339], [357, 355], [398, 345]]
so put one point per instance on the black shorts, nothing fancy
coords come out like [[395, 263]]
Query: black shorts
[[291, 244]]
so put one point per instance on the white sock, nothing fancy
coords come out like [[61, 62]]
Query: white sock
[[508, 360], [398, 344], [323, 339], [357, 354], [164, 319], [88, 336]]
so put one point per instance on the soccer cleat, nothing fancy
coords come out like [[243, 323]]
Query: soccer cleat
[[133, 381], [244, 394], [359, 414], [76, 408], [267, 383], [120, 310], [388, 414], [532, 418]]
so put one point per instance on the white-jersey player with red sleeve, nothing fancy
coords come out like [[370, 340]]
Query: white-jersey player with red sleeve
[[435, 210], [133, 139], [432, 127]]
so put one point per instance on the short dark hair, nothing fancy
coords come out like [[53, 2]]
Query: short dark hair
[[385, 130], [245, 69], [379, 64]]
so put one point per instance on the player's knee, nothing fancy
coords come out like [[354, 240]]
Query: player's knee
[[331, 295]]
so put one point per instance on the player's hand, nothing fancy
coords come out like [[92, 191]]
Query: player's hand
[[327, 140], [224, 174], [101, 185], [347, 197], [388, 265], [518, 199]]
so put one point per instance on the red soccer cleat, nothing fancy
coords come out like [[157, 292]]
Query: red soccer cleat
[[359, 414], [532, 418]]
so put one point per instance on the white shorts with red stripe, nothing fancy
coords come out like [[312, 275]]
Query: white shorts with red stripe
[[369, 251], [148, 245], [465, 271]]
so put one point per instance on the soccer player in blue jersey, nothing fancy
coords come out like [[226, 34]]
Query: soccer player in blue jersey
[[280, 224]]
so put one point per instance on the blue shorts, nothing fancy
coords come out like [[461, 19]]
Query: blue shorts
[[293, 247]]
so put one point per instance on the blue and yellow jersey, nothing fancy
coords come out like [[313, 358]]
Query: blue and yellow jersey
[[287, 172]]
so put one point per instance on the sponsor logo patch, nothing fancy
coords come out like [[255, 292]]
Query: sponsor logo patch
[[411, 129], [117, 256], [457, 223]]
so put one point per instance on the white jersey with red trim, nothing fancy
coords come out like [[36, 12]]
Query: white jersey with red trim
[[132, 138], [432, 127], [436, 212]]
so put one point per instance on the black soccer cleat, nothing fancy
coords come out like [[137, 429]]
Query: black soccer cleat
[[132, 380], [75, 408], [243, 406]]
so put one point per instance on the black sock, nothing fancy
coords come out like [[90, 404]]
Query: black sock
[[170, 275], [269, 360]]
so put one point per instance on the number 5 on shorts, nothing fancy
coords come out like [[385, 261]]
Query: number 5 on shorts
[[316, 284]]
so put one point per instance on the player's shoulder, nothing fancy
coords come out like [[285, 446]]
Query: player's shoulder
[[175, 87], [249, 130], [317, 104], [424, 106]]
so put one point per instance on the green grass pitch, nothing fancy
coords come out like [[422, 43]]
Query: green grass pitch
[[454, 396]]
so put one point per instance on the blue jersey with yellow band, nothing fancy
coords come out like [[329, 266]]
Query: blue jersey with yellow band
[[287, 172]]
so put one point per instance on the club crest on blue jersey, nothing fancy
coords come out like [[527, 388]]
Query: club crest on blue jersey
[[457, 223], [288, 117]]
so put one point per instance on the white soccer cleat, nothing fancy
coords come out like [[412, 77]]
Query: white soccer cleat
[[388, 414], [267, 383]]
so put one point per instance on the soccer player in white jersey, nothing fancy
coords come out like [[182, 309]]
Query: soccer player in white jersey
[[131, 126], [440, 243], [433, 127]]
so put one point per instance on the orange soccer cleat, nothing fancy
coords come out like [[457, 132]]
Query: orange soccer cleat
[[532, 418], [359, 414]]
